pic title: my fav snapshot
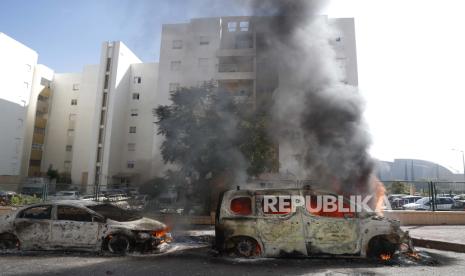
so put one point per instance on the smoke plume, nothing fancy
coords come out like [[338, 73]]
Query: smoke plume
[[321, 134]]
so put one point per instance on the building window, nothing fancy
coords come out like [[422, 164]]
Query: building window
[[107, 81], [28, 67], [108, 64], [34, 163], [134, 112], [72, 117], [131, 147], [137, 79], [67, 166], [177, 44], [102, 117], [69, 147], [174, 86], [76, 86], [26, 84], [74, 102], [203, 63], [39, 130], [104, 99], [232, 26], [176, 65], [244, 26], [131, 164], [132, 129], [100, 135], [99, 154], [37, 146], [135, 96], [204, 40], [70, 132], [44, 82]]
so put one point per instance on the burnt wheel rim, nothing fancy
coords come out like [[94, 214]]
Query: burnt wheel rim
[[119, 245], [245, 248]]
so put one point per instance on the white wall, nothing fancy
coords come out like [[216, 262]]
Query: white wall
[[144, 121], [86, 113], [59, 121], [17, 63]]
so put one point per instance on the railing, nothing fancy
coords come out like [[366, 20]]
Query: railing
[[234, 67]]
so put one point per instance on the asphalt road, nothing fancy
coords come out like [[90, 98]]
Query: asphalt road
[[188, 259]]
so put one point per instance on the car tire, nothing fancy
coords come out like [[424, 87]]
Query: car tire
[[119, 244], [246, 247], [8, 241], [380, 245]]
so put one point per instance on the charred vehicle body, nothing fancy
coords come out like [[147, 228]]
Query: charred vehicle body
[[243, 228], [80, 225]]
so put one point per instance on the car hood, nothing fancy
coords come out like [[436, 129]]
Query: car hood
[[143, 224]]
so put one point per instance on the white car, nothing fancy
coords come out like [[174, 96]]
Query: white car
[[65, 195], [442, 203], [80, 225]]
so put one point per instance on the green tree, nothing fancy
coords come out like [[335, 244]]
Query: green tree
[[208, 133]]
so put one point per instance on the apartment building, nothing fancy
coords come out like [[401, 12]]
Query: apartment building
[[232, 51], [94, 127], [97, 126]]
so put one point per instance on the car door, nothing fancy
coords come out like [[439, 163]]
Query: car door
[[280, 231], [330, 232], [74, 228], [32, 227]]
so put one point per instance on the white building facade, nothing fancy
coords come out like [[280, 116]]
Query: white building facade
[[96, 127]]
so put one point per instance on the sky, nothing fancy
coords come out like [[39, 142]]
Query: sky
[[411, 57]]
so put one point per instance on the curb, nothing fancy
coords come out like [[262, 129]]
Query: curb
[[439, 245]]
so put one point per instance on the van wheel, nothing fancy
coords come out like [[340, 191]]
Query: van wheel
[[246, 247], [119, 244], [380, 245], [8, 241]]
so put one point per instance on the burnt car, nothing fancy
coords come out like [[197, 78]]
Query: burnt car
[[80, 225], [245, 229]]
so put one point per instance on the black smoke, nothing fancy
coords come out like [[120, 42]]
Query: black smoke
[[318, 116]]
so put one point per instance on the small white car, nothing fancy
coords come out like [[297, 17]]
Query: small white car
[[442, 203], [80, 225], [65, 195]]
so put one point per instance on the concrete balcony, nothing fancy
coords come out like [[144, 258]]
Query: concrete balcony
[[235, 75], [236, 52]]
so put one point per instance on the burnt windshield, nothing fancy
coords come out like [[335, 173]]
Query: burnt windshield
[[115, 213]]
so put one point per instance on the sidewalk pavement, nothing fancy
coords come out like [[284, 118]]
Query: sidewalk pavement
[[441, 237]]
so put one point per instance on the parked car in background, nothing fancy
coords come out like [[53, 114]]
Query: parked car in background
[[460, 197], [442, 203], [397, 203], [65, 195], [80, 225]]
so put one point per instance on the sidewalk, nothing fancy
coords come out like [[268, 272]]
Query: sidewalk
[[441, 237]]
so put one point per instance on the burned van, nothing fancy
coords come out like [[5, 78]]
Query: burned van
[[275, 223]]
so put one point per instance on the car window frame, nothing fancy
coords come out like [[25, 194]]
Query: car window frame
[[89, 211], [21, 213]]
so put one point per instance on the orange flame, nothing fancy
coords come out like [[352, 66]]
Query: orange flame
[[380, 192], [414, 255], [385, 257]]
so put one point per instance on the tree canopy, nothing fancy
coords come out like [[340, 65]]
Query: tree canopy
[[208, 131]]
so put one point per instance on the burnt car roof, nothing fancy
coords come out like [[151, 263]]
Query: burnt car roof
[[82, 203]]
